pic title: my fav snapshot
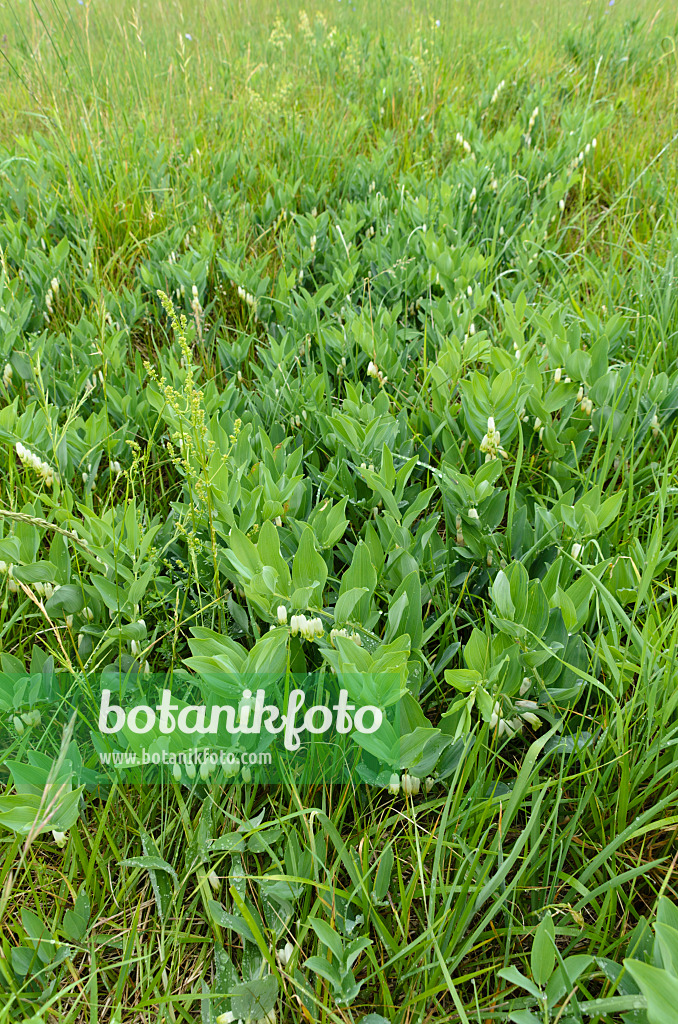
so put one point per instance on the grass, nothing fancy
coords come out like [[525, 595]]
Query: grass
[[485, 210]]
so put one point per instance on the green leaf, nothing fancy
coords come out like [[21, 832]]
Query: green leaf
[[543, 957], [659, 988], [309, 568], [328, 936]]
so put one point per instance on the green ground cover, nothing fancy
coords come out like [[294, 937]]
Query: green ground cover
[[365, 312]]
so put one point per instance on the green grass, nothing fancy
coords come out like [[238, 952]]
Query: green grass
[[303, 172]]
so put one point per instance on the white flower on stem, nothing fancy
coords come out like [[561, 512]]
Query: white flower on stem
[[213, 879], [282, 615], [411, 785], [576, 550], [394, 785], [557, 375], [60, 838], [473, 513], [284, 954], [537, 424]]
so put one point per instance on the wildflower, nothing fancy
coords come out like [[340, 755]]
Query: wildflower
[[313, 243], [18, 725], [473, 513], [429, 784], [490, 443], [284, 954], [580, 393], [510, 726], [176, 772], [472, 197], [557, 375], [355, 637], [7, 375], [655, 425], [394, 785], [282, 614], [29, 458], [60, 838], [561, 205], [537, 423], [134, 647], [576, 550], [410, 784], [527, 714], [495, 94], [213, 879]]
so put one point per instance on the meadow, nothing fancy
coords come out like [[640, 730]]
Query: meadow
[[340, 343]]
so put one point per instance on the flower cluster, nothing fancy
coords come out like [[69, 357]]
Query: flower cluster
[[491, 443], [50, 297], [533, 117], [465, 145], [247, 297], [195, 302], [355, 637], [308, 629], [410, 784], [495, 94], [374, 371], [585, 404], [31, 459], [578, 160]]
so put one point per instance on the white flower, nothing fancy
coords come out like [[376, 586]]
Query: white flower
[[225, 1018], [134, 647], [561, 204], [576, 550], [394, 785], [69, 621], [213, 879], [410, 784], [580, 393], [7, 375], [473, 513], [557, 375], [60, 838], [284, 954], [525, 685], [472, 197], [429, 784], [282, 614], [537, 423]]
